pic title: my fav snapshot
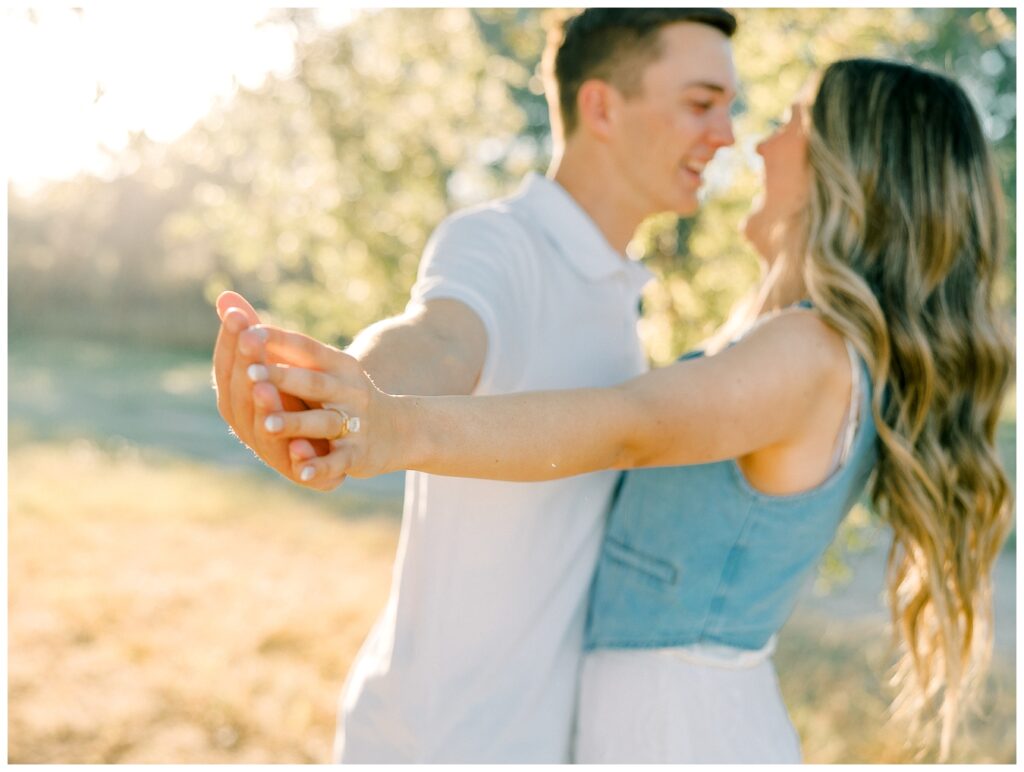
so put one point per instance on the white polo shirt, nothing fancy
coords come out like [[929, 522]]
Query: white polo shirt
[[475, 657]]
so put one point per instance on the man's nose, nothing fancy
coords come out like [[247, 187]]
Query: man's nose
[[721, 132]]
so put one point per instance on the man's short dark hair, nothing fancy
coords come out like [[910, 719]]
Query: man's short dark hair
[[615, 44]]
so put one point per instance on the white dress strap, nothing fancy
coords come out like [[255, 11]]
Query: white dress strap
[[851, 419]]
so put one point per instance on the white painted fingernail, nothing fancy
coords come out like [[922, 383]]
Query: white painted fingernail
[[262, 334], [257, 373], [274, 423], [307, 473]]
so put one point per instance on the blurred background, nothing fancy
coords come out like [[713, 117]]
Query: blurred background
[[169, 598]]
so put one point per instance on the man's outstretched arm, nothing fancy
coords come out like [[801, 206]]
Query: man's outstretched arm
[[434, 348]]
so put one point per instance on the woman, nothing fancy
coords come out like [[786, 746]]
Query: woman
[[882, 209]]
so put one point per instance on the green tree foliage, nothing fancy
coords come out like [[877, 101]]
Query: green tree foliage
[[332, 180], [978, 46], [315, 193]]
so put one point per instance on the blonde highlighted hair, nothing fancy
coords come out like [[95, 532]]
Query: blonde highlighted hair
[[904, 237]]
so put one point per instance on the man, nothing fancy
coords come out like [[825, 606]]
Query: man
[[475, 656]]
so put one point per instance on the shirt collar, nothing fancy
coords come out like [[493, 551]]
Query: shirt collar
[[574, 234]]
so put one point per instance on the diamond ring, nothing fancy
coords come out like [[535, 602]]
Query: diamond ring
[[349, 424]]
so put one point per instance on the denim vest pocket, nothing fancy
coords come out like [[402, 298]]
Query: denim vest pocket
[[655, 568]]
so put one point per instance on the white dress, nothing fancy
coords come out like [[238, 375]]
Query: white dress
[[696, 704], [655, 706]]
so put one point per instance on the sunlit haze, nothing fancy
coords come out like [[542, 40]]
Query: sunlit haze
[[77, 82]]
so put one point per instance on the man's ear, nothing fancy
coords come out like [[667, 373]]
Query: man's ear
[[597, 102]]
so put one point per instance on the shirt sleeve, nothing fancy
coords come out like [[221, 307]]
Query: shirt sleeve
[[483, 258]]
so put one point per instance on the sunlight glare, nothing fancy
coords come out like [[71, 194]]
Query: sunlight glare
[[79, 81]]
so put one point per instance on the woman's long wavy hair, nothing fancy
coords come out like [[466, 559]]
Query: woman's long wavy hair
[[904, 237]]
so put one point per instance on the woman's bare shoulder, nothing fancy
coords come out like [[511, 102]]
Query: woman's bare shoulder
[[804, 340]]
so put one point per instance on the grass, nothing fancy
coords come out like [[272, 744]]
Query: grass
[[833, 679], [166, 611], [163, 612], [61, 389]]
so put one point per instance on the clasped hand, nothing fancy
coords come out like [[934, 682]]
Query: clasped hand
[[287, 396]]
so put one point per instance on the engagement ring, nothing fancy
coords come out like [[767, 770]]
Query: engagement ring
[[349, 424]]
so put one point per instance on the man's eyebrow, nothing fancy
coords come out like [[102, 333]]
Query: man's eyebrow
[[717, 87]]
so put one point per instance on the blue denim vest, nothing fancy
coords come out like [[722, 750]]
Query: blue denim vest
[[694, 554]]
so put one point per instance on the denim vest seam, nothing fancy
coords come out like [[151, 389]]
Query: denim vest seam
[[667, 642], [630, 643], [588, 622], [717, 600], [638, 560]]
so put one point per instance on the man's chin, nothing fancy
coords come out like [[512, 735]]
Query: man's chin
[[686, 206]]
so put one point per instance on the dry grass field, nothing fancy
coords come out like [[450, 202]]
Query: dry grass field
[[169, 611]]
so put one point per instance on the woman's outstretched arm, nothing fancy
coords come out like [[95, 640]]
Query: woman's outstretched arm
[[769, 388]]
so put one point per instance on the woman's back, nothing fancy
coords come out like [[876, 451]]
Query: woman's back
[[697, 553]]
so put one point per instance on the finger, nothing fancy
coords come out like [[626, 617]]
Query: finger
[[317, 447], [240, 393], [325, 472], [250, 342], [236, 316], [270, 446], [267, 401], [233, 322], [323, 424], [229, 299], [293, 403], [301, 350], [251, 345], [303, 383], [303, 450]]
